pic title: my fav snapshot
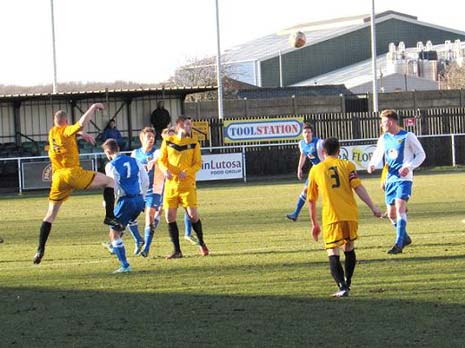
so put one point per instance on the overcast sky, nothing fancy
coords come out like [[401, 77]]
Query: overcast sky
[[145, 40]]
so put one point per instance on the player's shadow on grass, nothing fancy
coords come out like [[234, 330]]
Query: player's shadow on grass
[[41, 317]]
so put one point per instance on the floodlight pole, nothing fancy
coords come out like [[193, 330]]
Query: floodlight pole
[[280, 56], [218, 64], [373, 57], [54, 51]]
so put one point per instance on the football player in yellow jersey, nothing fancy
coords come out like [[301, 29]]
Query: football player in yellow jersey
[[68, 174], [334, 179], [180, 159]]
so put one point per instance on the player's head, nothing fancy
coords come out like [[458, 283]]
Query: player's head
[[389, 120], [147, 137], [184, 126], [60, 118], [307, 132], [331, 147], [110, 148]]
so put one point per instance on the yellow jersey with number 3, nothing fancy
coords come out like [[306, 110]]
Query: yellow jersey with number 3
[[63, 149], [334, 180]]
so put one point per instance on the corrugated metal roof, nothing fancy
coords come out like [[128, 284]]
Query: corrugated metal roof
[[136, 92], [270, 45]]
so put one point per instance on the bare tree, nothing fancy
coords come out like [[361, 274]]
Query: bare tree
[[202, 72]]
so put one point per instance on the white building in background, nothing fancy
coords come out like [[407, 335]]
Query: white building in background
[[401, 69]]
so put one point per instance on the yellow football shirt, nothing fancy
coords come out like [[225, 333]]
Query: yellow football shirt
[[180, 154], [63, 149], [334, 180]]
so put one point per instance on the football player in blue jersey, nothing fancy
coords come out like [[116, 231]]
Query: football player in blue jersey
[[402, 153], [131, 183], [147, 155], [311, 148]]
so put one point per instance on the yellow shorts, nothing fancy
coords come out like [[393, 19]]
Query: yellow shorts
[[172, 197], [65, 180], [339, 233]]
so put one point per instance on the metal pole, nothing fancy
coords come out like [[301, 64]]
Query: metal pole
[[280, 69], [453, 150], [244, 170], [54, 50], [373, 57], [218, 64], [20, 177]]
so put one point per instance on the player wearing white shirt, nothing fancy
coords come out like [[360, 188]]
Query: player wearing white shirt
[[403, 153]]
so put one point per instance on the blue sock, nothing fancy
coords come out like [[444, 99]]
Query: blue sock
[[401, 229], [300, 204], [120, 252], [148, 233], [187, 225], [134, 230]]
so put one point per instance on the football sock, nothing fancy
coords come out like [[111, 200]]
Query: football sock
[[149, 231], [120, 252], [187, 225], [401, 229], [134, 230], [336, 271], [156, 222], [349, 265], [300, 203], [197, 226], [174, 235], [109, 198], [43, 235]]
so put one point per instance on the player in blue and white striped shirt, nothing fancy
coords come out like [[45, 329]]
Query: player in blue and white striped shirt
[[131, 183], [311, 148], [402, 153]]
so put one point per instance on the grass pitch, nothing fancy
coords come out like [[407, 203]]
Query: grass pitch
[[265, 284]]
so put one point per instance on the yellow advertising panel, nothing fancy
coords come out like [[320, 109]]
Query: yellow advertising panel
[[201, 130], [253, 130]]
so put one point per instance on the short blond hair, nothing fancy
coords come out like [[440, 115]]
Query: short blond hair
[[391, 114]]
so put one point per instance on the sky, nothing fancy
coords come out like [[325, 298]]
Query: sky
[[145, 40]]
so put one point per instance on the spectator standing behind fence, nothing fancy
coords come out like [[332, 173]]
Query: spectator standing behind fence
[[160, 119], [111, 132]]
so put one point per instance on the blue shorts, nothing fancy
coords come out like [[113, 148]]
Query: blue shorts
[[128, 209], [398, 190], [153, 200]]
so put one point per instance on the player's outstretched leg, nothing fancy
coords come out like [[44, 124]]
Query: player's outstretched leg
[[299, 205], [109, 199]]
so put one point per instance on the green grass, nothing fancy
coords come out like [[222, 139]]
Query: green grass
[[265, 284]]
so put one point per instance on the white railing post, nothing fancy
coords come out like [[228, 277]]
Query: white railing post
[[244, 170], [20, 177], [453, 150]]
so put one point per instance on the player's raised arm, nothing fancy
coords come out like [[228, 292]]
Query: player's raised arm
[[84, 120]]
